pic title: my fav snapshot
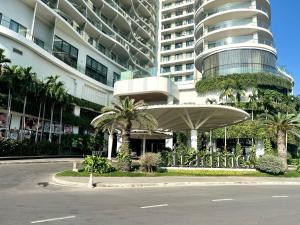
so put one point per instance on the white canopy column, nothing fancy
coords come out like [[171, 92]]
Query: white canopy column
[[194, 139], [110, 145]]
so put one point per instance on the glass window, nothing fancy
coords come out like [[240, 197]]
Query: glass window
[[116, 77], [96, 70], [65, 52], [178, 67], [189, 66], [166, 69], [178, 45], [189, 77], [177, 79]]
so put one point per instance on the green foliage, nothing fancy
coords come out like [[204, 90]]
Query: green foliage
[[85, 104], [124, 159], [10, 147], [95, 164], [150, 162], [270, 164], [238, 150], [219, 83], [268, 147], [247, 129], [298, 166]]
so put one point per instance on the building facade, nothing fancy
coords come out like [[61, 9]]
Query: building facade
[[88, 43]]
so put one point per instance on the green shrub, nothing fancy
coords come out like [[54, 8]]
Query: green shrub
[[268, 147], [95, 164], [270, 164], [124, 159], [238, 150], [150, 162]]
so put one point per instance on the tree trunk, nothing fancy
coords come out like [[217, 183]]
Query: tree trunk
[[51, 121], [38, 124], [8, 114], [60, 124], [43, 121], [282, 152], [23, 118]]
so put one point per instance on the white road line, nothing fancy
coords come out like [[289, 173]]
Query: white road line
[[154, 206], [53, 219], [222, 200], [280, 196]]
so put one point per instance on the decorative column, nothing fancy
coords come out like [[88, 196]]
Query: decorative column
[[144, 145], [169, 142], [119, 141], [110, 144], [194, 139]]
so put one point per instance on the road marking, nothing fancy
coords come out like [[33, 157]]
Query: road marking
[[222, 200], [53, 219], [153, 206], [280, 196]]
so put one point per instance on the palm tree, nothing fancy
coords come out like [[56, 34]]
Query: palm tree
[[3, 60], [228, 93], [55, 91], [240, 91], [253, 102], [280, 124], [40, 94], [63, 99], [10, 76], [126, 113], [28, 81]]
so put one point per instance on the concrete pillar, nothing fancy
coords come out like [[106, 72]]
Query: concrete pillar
[[105, 147], [169, 143], [259, 146], [144, 145], [194, 139], [119, 141], [76, 111], [110, 144]]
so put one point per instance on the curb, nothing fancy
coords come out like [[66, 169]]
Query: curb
[[65, 183]]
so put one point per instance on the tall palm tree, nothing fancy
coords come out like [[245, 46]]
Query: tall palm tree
[[228, 94], [280, 124], [55, 90], [40, 94], [126, 113], [240, 91], [3, 60], [28, 82], [63, 99], [10, 77]]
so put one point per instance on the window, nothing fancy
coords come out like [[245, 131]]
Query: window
[[167, 26], [178, 79], [179, 23], [65, 52], [178, 45], [178, 56], [18, 28], [39, 42], [178, 13], [189, 55], [166, 47], [178, 68], [179, 34], [116, 77], [189, 43], [168, 36], [189, 66], [166, 69], [166, 58], [101, 48], [113, 56], [96, 70], [189, 77]]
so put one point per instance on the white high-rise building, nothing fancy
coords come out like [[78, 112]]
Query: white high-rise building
[[88, 43]]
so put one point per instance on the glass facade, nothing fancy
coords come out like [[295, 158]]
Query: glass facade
[[239, 61]]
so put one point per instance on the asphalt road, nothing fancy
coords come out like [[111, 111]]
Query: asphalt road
[[27, 198]]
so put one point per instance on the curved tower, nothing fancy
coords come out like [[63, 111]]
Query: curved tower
[[234, 36]]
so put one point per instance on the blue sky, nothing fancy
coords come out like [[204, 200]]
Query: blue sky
[[286, 31]]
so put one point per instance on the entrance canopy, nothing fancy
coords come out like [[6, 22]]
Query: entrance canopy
[[195, 117]]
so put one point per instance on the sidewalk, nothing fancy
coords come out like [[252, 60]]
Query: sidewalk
[[180, 181], [40, 160]]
